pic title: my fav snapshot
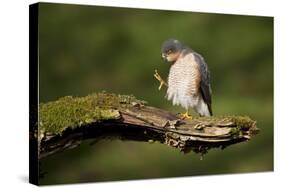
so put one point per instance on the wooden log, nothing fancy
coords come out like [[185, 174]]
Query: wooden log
[[64, 123]]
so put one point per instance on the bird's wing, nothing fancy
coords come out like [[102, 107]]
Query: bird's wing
[[205, 85]]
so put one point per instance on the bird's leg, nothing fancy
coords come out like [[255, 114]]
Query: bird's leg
[[158, 77], [185, 115]]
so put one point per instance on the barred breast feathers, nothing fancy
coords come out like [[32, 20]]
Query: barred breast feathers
[[185, 72], [183, 81]]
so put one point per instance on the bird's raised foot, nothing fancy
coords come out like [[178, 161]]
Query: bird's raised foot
[[185, 116], [158, 77]]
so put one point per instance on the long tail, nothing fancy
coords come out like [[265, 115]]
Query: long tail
[[210, 109], [204, 109]]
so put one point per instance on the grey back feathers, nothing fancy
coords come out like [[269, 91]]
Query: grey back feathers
[[205, 85]]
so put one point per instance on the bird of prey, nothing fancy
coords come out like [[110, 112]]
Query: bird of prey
[[188, 79]]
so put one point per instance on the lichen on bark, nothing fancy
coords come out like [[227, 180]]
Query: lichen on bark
[[72, 112]]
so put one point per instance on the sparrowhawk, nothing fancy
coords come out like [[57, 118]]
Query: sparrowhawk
[[188, 79]]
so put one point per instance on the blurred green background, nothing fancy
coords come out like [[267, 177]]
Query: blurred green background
[[86, 49]]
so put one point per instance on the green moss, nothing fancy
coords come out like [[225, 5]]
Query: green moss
[[71, 112], [235, 131], [243, 122]]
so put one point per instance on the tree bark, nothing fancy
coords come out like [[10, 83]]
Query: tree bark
[[140, 122]]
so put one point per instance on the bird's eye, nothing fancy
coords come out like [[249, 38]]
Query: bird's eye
[[169, 51]]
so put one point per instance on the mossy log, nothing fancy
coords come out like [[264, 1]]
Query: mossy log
[[64, 123]]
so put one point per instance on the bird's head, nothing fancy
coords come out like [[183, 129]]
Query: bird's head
[[171, 50]]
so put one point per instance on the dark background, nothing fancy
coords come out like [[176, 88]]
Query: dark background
[[86, 49]]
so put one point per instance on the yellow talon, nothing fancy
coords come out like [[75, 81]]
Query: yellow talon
[[158, 77], [185, 115]]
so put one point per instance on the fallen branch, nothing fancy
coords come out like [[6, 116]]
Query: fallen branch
[[64, 123]]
